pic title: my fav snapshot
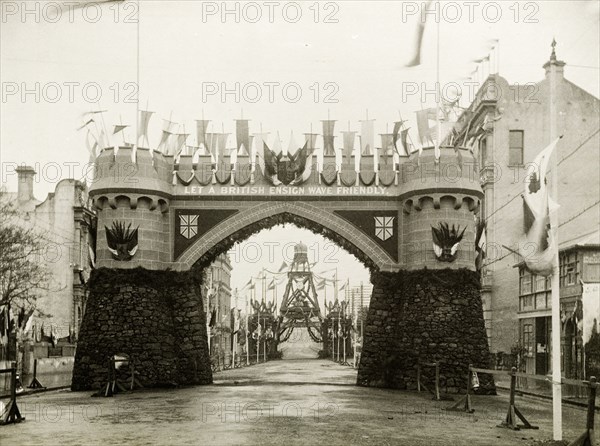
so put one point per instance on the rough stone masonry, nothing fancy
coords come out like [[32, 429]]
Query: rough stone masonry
[[155, 317], [418, 317]]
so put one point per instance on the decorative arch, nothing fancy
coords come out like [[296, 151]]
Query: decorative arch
[[250, 221]]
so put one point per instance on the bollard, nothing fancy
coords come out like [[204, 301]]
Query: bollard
[[587, 438], [511, 417], [11, 412]]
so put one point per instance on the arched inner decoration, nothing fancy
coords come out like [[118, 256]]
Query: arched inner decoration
[[282, 218]]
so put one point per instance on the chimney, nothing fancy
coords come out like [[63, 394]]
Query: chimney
[[25, 187], [558, 65]]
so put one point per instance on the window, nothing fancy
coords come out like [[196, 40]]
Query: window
[[526, 282], [515, 148], [569, 273], [540, 283], [527, 302]]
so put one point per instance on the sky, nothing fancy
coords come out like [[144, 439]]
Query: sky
[[291, 67]]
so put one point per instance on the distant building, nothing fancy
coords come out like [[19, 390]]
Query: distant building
[[217, 298], [512, 125], [66, 223], [579, 285]]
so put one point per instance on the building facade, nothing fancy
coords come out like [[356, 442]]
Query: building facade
[[511, 124], [217, 301], [579, 282], [66, 225]]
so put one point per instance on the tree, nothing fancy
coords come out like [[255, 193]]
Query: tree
[[22, 273]]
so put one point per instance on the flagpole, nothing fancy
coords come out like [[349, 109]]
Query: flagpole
[[438, 143], [247, 340], [556, 323]]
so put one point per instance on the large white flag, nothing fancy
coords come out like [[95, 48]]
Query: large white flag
[[538, 248]]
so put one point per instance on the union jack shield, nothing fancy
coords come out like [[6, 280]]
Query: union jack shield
[[188, 225], [384, 227]]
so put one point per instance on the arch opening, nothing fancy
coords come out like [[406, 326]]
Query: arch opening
[[261, 276]]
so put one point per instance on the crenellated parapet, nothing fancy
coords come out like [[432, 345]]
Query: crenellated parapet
[[439, 194]]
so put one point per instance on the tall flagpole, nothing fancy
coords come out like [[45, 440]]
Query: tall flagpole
[[247, 340], [438, 143], [556, 324]]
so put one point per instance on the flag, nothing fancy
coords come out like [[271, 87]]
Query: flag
[[321, 284], [387, 145], [311, 139], [480, 241], [143, 121], [348, 140], [343, 287], [242, 134], [367, 137], [119, 128], [201, 129], [538, 248], [164, 139], [221, 142], [328, 138], [86, 124], [271, 285], [283, 266], [423, 117], [213, 318], [403, 136], [92, 148], [417, 47], [292, 147]]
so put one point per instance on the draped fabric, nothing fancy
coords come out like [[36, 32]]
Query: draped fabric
[[328, 138]]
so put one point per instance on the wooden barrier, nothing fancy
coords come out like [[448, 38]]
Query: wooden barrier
[[11, 413], [587, 438], [513, 412], [114, 384], [465, 401], [35, 384]]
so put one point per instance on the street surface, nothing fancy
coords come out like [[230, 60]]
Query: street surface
[[289, 402]]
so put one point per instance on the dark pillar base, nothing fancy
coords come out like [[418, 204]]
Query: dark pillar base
[[418, 317], [155, 317]]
